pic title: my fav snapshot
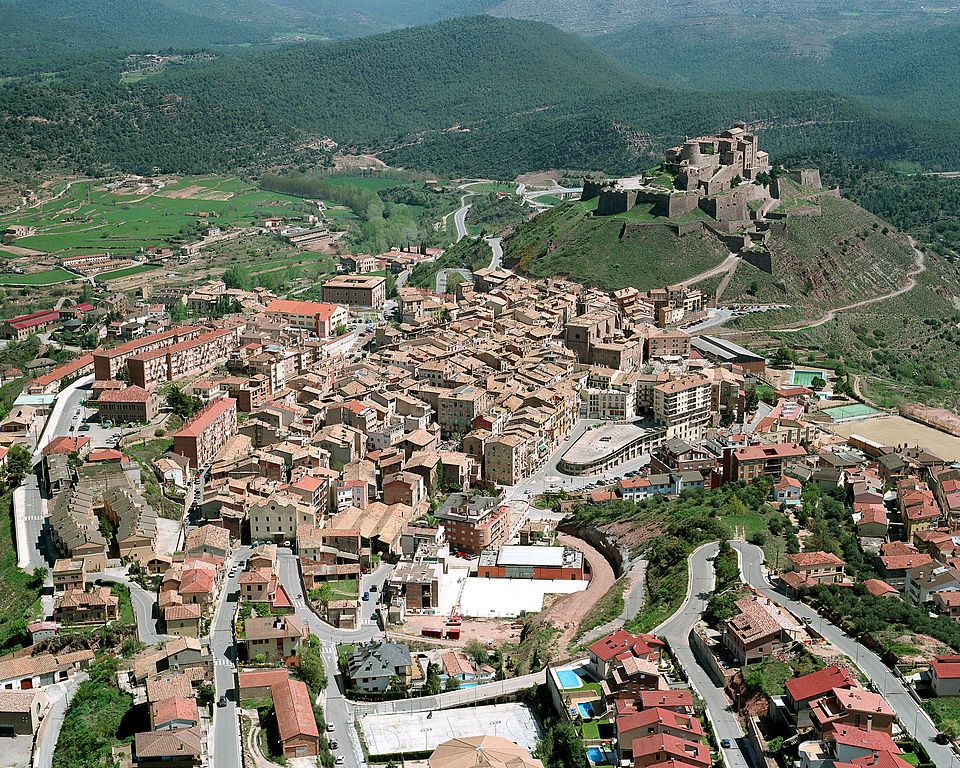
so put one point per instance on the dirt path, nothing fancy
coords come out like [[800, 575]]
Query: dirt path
[[911, 283], [729, 264], [568, 611]]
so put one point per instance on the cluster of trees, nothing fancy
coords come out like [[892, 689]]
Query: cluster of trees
[[182, 404]]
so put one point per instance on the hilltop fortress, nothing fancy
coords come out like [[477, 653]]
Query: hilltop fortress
[[724, 183], [726, 176]]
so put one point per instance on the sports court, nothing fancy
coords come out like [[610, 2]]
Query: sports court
[[422, 731], [847, 412]]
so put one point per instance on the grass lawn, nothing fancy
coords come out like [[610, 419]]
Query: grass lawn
[[50, 277], [147, 452], [122, 591], [749, 523], [945, 713], [590, 731], [348, 589], [126, 272]]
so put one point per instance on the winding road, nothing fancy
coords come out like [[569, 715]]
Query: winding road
[[676, 630], [911, 283]]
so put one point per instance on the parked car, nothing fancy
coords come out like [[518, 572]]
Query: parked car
[[83, 428], [222, 701], [339, 760], [366, 596], [333, 744], [329, 727], [725, 743], [373, 587]]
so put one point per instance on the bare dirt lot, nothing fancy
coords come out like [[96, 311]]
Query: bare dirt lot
[[568, 611], [196, 192], [896, 430]]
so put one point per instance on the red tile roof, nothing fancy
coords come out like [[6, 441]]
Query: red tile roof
[[688, 752], [104, 454], [132, 394], [806, 559], [858, 737], [780, 450], [657, 716], [288, 307], [879, 588], [294, 711], [673, 698], [173, 709], [64, 444], [619, 641], [819, 683], [206, 417], [946, 667]]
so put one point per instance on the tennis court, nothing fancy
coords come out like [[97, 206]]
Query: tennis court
[[854, 411]]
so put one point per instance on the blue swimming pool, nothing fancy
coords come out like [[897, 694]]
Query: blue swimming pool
[[569, 679], [586, 710], [596, 756]]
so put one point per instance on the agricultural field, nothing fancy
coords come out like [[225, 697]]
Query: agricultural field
[[89, 218], [48, 277]]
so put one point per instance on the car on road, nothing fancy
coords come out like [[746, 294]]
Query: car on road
[[366, 596], [222, 701], [233, 572], [373, 587], [725, 743], [339, 760], [333, 744], [83, 428], [329, 727]]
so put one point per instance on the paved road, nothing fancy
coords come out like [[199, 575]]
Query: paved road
[[911, 715], [144, 606], [632, 603], [460, 219], [726, 265], [223, 741], [338, 710], [676, 630], [43, 757], [442, 278], [496, 252]]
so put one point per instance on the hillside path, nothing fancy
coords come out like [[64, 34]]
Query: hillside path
[[729, 264], [911, 283]]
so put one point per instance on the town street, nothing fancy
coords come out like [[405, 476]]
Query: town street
[[223, 741], [676, 630], [144, 606], [338, 710], [911, 714], [59, 695]]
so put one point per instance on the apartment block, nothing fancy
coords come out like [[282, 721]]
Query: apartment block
[[205, 434], [683, 406], [356, 290], [153, 367]]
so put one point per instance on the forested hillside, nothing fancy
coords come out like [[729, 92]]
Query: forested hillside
[[476, 96]]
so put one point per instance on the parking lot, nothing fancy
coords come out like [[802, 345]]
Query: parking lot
[[423, 731]]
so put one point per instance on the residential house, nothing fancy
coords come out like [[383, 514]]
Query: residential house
[[374, 666]]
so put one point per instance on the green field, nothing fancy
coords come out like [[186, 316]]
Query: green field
[[89, 218], [126, 272], [50, 277]]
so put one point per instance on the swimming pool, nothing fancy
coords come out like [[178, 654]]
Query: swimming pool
[[805, 378], [569, 679], [597, 756], [586, 709]]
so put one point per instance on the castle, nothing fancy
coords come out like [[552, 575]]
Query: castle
[[713, 174]]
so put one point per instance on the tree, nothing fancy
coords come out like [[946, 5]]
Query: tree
[[783, 357], [452, 684], [238, 277], [178, 312], [477, 652], [432, 686], [206, 694], [751, 400], [19, 463], [312, 671], [181, 403], [817, 383]]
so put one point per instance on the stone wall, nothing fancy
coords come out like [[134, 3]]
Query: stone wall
[[806, 177], [600, 542], [761, 259]]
